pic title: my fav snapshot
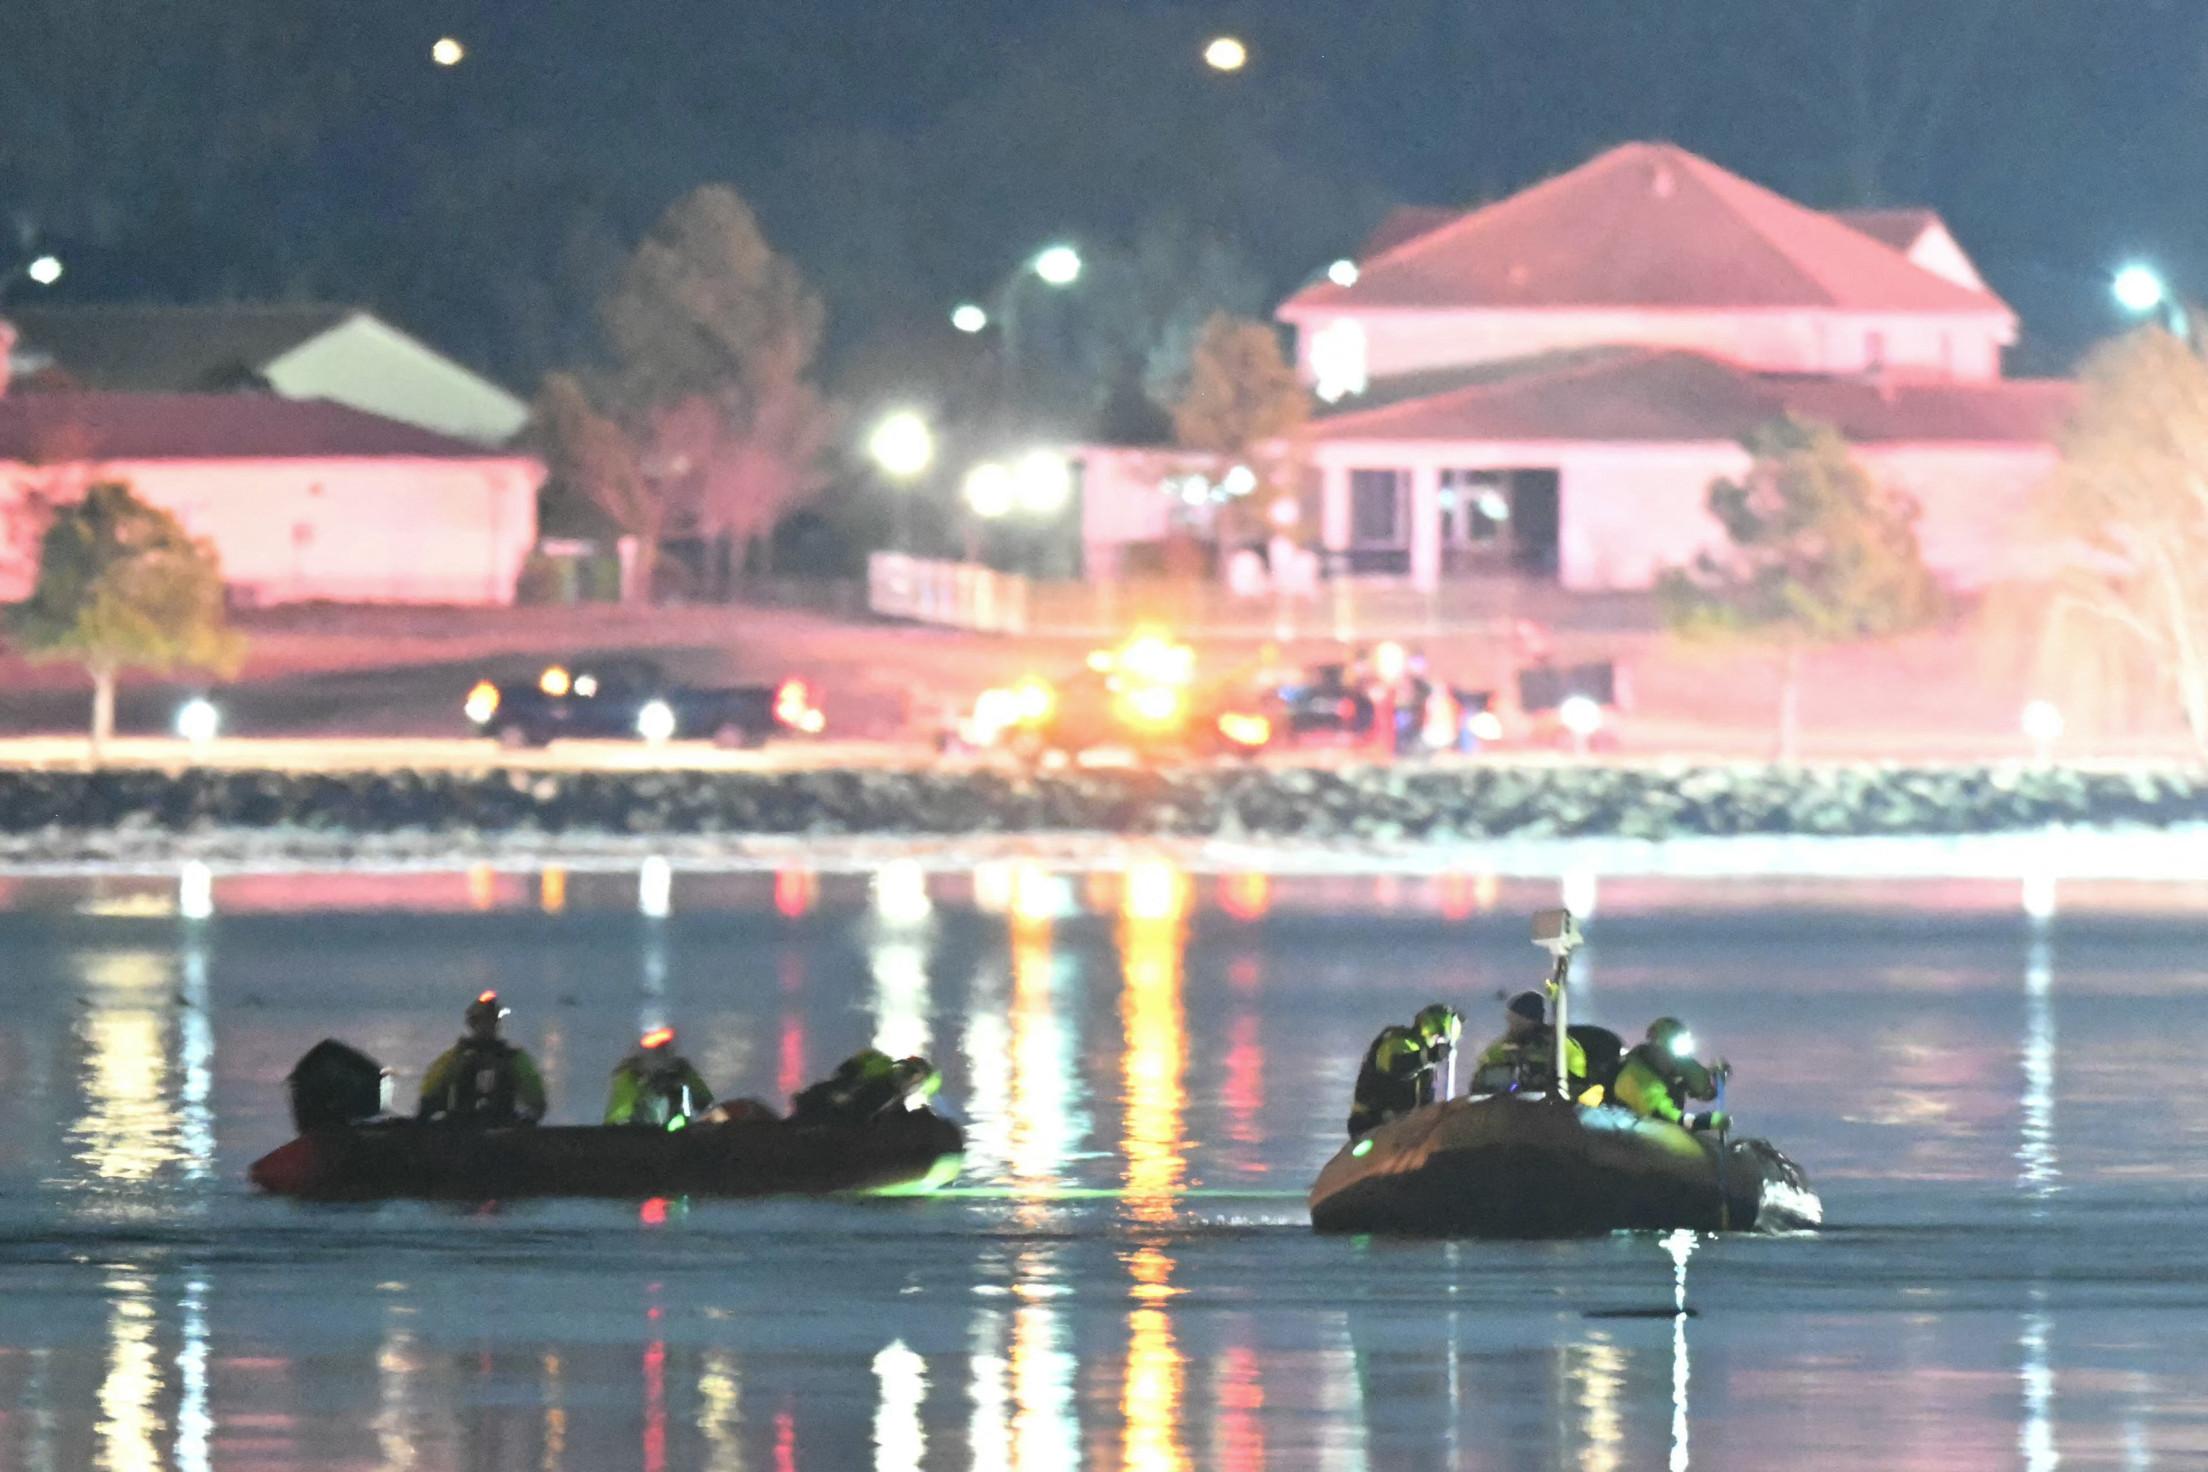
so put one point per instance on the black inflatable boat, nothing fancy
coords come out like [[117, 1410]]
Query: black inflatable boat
[[348, 1150], [1515, 1165]]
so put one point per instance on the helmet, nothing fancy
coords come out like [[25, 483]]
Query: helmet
[[1670, 1036], [1437, 1023], [658, 1037], [1530, 1005], [485, 1011]]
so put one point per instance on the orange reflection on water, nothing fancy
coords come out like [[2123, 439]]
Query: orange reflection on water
[[130, 1126], [1243, 1089], [795, 891], [552, 889], [129, 1416], [1240, 1433], [1043, 1063], [1155, 1057], [1150, 1395], [1246, 896]]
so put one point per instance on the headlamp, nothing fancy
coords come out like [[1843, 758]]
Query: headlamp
[[1682, 1045]]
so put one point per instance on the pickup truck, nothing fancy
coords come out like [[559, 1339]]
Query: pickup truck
[[634, 699]]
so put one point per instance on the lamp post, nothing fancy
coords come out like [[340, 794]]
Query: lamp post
[[902, 447], [1057, 266], [2141, 290]]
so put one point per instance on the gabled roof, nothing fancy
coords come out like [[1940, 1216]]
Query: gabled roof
[[48, 427], [1405, 222], [1656, 396], [1900, 228], [1646, 225], [211, 349]]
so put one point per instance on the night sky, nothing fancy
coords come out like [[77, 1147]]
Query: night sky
[[907, 153]]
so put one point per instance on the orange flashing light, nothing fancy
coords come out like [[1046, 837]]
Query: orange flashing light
[[658, 1037], [486, 996]]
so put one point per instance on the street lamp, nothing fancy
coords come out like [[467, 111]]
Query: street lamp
[[902, 445], [1042, 482], [40, 270], [969, 317], [2140, 289], [1226, 54], [1343, 272], [1058, 265], [447, 51], [990, 490]]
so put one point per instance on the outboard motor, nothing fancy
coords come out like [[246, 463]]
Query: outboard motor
[[336, 1085]]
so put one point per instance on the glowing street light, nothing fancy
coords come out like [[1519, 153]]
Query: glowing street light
[[1582, 718], [2139, 288], [1343, 272], [902, 445], [198, 721], [1042, 483], [447, 51], [1058, 265], [990, 490], [45, 270], [1226, 54], [967, 317]]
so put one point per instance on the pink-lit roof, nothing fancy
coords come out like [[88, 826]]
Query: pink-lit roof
[[1645, 225], [1655, 395], [1900, 228], [38, 427]]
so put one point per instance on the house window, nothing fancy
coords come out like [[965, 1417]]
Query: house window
[[1478, 502], [1376, 508]]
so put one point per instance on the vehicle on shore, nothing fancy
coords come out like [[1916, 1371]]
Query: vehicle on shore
[[1140, 700], [635, 700]]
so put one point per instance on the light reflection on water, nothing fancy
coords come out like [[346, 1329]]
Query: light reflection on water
[[1152, 1067]]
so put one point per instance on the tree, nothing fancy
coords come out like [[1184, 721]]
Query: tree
[[1819, 553], [590, 457], [121, 585], [2130, 502], [713, 338], [1244, 404]]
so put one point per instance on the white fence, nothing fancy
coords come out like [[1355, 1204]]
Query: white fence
[[959, 595]]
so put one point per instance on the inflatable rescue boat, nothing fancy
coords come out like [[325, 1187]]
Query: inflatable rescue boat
[[1528, 1163], [1518, 1165], [348, 1149]]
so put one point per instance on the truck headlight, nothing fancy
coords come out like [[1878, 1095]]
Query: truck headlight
[[482, 703]]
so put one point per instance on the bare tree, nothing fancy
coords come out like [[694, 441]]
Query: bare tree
[[2130, 503]]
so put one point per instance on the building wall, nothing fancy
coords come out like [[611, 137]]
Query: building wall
[[365, 531], [1956, 346], [1121, 502], [371, 366], [1628, 512]]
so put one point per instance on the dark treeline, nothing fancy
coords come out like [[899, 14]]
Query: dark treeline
[[908, 155]]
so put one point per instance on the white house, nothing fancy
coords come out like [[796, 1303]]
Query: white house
[[1549, 384], [302, 500], [337, 353]]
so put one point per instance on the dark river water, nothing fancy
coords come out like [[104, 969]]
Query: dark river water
[[1998, 1089]]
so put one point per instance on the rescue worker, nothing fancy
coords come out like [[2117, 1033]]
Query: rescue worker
[[1400, 1066], [656, 1086], [867, 1083], [1659, 1075], [483, 1079], [1524, 1057]]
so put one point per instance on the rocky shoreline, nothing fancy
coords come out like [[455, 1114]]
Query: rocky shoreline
[[64, 813]]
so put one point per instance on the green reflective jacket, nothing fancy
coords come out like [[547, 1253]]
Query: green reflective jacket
[[1643, 1088], [642, 1093]]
